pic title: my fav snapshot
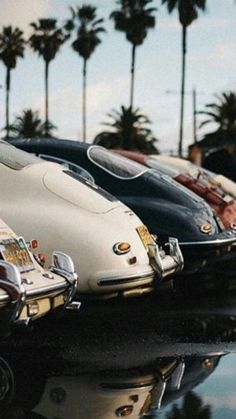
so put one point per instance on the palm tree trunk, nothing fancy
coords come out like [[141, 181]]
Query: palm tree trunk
[[132, 76], [84, 100], [46, 99], [184, 36], [8, 85]]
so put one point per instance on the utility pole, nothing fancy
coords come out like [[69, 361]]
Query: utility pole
[[194, 96], [193, 93]]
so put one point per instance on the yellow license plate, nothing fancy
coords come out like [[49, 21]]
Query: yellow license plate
[[15, 251], [145, 236], [58, 301], [42, 307]]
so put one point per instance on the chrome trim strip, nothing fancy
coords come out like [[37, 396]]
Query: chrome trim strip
[[4, 299], [119, 280], [47, 290], [108, 171], [207, 242]]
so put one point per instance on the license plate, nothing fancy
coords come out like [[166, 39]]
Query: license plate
[[145, 236], [15, 251], [58, 301]]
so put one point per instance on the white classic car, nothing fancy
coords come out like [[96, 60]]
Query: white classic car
[[112, 250], [27, 291]]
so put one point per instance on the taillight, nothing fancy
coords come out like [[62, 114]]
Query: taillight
[[33, 244], [124, 411], [121, 248]]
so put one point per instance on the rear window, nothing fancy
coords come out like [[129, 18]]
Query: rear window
[[162, 168], [114, 164], [14, 158], [70, 166]]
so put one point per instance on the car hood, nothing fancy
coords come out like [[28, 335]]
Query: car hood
[[77, 190]]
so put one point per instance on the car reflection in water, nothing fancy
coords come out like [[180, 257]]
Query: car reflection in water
[[74, 372], [104, 395]]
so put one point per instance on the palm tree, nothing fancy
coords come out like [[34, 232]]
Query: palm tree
[[129, 131], [222, 112], [47, 40], [188, 12], [192, 408], [12, 46], [134, 18], [87, 39], [29, 125]]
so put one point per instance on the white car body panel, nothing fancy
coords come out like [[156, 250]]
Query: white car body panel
[[177, 163], [40, 201], [85, 399], [229, 186]]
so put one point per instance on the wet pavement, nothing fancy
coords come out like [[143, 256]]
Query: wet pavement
[[168, 356]]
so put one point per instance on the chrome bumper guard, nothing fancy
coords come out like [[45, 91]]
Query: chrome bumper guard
[[175, 376], [10, 282], [166, 264], [63, 265]]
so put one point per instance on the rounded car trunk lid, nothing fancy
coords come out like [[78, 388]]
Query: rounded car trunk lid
[[77, 190]]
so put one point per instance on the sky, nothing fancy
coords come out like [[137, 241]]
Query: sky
[[211, 65], [217, 391]]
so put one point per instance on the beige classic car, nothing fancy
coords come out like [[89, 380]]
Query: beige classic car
[[27, 291], [112, 250]]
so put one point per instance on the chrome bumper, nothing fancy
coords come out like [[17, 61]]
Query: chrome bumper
[[10, 282], [64, 266], [166, 264]]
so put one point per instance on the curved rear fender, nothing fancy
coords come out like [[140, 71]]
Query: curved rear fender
[[168, 219]]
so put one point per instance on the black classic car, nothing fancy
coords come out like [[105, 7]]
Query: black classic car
[[166, 207]]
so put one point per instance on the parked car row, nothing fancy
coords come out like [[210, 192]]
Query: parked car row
[[126, 221], [203, 222], [110, 247]]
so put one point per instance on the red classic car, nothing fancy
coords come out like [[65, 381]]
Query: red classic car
[[223, 204]]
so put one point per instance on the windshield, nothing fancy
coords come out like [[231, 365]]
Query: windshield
[[68, 165], [115, 164], [14, 158]]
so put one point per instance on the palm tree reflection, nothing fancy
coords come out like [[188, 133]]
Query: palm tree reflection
[[192, 408]]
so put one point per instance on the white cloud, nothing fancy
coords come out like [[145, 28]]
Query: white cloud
[[207, 22], [65, 106], [223, 54], [21, 12]]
